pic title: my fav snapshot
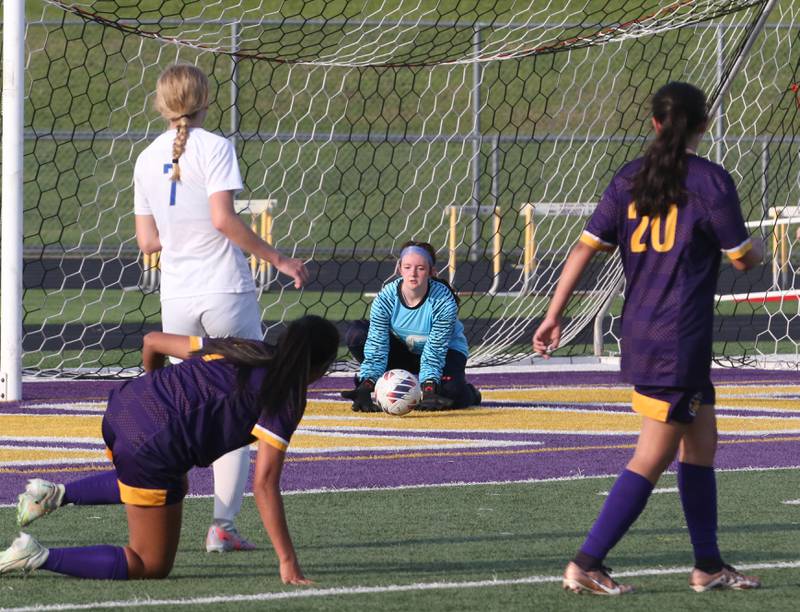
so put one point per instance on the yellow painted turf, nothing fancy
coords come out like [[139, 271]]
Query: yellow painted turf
[[756, 397], [15, 454], [570, 414]]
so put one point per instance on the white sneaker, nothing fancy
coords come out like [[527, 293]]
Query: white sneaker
[[220, 539], [24, 554], [40, 497]]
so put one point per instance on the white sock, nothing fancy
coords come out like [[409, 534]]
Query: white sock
[[230, 477]]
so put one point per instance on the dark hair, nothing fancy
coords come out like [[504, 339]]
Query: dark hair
[[303, 353], [681, 110], [432, 252]]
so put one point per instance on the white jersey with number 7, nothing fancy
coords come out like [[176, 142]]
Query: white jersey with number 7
[[196, 258]]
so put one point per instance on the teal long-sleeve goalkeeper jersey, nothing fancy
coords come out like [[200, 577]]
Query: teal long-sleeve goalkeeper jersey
[[429, 329]]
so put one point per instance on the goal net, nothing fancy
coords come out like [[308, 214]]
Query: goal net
[[484, 128]]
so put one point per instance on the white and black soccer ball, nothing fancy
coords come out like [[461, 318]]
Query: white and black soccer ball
[[397, 392]]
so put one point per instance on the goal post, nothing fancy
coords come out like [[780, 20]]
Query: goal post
[[11, 265]]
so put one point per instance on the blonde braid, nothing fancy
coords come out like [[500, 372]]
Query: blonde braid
[[179, 146], [181, 93]]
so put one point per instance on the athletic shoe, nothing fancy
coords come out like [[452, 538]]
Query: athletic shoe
[[40, 497], [220, 539], [596, 582], [726, 578], [24, 554], [477, 398]]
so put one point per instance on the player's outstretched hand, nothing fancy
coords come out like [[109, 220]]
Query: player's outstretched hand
[[295, 268], [361, 397], [431, 400], [547, 337], [292, 574]]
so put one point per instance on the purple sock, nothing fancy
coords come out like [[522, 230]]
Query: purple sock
[[97, 562], [698, 488], [93, 490], [625, 503]]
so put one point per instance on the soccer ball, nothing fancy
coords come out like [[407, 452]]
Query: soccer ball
[[397, 392]]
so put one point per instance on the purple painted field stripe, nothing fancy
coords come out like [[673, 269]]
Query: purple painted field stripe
[[382, 469]]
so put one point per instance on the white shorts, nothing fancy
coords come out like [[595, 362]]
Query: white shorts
[[217, 315]]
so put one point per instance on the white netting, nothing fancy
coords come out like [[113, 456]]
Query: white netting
[[396, 32], [366, 123]]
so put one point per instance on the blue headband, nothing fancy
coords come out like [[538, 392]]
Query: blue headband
[[419, 251]]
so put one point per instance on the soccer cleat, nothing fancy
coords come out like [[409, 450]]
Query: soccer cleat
[[24, 554], [596, 582], [726, 578], [40, 497], [431, 400], [477, 398], [220, 539]]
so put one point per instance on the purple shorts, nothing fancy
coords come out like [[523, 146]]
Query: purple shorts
[[679, 404], [142, 481]]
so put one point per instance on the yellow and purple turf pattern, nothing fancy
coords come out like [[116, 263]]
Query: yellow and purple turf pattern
[[526, 429]]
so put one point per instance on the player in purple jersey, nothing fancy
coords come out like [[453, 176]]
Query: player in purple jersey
[[228, 393], [671, 214]]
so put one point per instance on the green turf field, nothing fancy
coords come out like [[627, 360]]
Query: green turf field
[[454, 536], [114, 306]]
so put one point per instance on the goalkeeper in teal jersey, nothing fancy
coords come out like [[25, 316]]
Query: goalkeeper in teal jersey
[[414, 326]]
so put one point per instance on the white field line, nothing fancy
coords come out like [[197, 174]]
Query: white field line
[[571, 432], [101, 458], [408, 445], [599, 432], [48, 416], [458, 445], [654, 491], [55, 439], [445, 485], [590, 407], [335, 432], [89, 448], [82, 405], [307, 593], [574, 409]]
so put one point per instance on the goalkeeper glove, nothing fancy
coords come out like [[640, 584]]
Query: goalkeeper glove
[[431, 400], [361, 397]]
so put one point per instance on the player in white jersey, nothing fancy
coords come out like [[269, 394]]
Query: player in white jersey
[[184, 183]]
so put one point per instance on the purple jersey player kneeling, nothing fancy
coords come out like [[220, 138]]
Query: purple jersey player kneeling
[[671, 214], [228, 393]]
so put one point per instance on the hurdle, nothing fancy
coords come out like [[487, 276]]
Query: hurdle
[[497, 242], [780, 219], [776, 226], [528, 211], [261, 220], [151, 272]]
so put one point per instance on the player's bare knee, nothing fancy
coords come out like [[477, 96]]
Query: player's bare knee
[[157, 569], [135, 563]]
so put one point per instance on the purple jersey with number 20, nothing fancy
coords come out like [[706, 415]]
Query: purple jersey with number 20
[[671, 266]]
